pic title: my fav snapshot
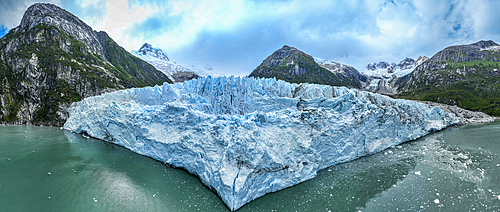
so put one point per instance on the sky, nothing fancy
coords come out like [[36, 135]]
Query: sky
[[234, 37]]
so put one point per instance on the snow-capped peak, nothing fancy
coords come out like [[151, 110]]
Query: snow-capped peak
[[389, 70], [174, 71], [153, 53]]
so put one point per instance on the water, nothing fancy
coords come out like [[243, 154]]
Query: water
[[48, 169]]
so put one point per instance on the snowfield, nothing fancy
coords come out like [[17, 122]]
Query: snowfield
[[245, 137]]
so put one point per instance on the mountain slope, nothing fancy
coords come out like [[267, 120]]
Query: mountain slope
[[390, 70], [382, 76], [292, 65], [466, 76], [160, 60], [53, 59]]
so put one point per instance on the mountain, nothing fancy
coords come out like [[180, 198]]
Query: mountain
[[390, 70], [149, 52], [383, 76], [175, 72], [53, 59], [156, 57], [245, 137], [292, 65], [341, 70], [465, 75]]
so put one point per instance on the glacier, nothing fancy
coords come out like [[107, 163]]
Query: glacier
[[245, 137]]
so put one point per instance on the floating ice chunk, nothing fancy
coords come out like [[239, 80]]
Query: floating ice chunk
[[245, 137], [436, 201], [417, 173]]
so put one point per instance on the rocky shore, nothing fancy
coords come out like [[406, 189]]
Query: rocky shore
[[469, 117]]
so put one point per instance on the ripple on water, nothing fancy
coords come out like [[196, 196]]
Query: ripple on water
[[445, 171]]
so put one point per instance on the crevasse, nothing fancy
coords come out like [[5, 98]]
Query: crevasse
[[245, 137]]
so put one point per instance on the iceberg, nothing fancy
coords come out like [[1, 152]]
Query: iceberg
[[245, 137]]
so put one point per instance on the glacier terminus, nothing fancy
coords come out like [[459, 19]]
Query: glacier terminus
[[245, 137]]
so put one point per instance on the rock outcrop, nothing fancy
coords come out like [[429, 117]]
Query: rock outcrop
[[292, 65]]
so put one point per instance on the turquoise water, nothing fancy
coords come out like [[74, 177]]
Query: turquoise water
[[48, 169]]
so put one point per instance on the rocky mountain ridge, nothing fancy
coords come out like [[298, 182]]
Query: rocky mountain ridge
[[382, 76], [52, 15], [465, 75], [53, 59], [147, 49], [292, 65], [390, 70]]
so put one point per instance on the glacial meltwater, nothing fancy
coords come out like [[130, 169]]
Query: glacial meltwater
[[48, 169]]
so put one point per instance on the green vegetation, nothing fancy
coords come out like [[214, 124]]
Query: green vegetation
[[66, 69], [62, 93], [11, 99], [473, 85], [132, 71], [308, 72]]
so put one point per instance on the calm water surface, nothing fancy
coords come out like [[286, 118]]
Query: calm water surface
[[48, 169]]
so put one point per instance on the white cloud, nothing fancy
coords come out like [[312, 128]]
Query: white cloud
[[237, 35], [117, 18]]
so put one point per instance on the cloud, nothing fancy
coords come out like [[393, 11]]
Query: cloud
[[235, 36]]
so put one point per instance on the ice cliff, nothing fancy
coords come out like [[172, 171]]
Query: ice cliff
[[245, 137]]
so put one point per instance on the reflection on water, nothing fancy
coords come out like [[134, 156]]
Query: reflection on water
[[47, 169]]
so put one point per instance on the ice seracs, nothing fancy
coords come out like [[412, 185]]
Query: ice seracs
[[245, 137]]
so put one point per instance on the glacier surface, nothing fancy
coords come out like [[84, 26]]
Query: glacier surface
[[245, 137]]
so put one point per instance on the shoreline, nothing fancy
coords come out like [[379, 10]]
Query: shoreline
[[468, 116]]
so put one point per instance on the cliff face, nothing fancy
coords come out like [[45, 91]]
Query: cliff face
[[292, 65], [53, 59]]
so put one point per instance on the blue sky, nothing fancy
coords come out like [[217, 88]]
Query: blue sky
[[235, 36]]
